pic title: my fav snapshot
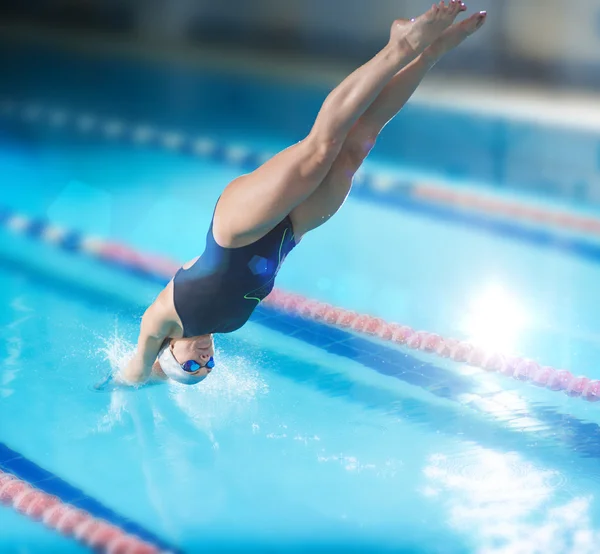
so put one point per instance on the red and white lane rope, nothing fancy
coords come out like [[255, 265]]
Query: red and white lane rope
[[162, 269], [506, 208], [516, 367], [68, 520]]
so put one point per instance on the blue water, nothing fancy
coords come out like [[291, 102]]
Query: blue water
[[301, 438]]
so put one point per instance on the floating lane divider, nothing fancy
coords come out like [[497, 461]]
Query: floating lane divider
[[68, 511], [68, 520], [205, 147], [161, 270], [505, 208]]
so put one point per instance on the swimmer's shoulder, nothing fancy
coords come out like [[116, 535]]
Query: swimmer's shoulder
[[162, 316]]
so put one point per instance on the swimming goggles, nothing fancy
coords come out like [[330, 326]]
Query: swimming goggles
[[192, 365]]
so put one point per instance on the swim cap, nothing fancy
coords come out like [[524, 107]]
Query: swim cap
[[173, 369]]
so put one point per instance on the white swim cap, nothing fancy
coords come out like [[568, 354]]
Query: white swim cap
[[173, 369]]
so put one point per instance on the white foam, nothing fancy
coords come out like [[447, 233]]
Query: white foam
[[233, 384], [117, 352], [234, 379]]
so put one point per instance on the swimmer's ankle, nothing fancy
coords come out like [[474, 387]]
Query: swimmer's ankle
[[400, 42], [400, 51], [428, 58]]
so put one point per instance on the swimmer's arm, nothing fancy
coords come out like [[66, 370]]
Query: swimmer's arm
[[157, 373], [154, 330]]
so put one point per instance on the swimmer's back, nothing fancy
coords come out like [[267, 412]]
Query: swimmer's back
[[219, 292]]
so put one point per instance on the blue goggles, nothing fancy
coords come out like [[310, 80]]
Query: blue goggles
[[192, 365]]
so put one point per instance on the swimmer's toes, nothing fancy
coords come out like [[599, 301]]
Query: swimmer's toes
[[455, 35], [474, 22], [424, 30], [455, 7]]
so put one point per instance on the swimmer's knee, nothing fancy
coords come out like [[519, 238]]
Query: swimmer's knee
[[321, 151], [356, 149]]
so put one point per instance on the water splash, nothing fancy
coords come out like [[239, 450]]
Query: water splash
[[117, 352], [235, 379], [226, 392]]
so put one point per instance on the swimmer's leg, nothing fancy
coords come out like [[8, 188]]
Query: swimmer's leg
[[334, 189], [253, 204]]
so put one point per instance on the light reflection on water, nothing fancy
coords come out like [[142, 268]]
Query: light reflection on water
[[507, 505], [496, 318]]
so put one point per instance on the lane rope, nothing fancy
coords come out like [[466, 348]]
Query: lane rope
[[160, 269], [69, 521], [113, 128]]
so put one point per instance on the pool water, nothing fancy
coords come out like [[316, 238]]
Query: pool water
[[302, 437]]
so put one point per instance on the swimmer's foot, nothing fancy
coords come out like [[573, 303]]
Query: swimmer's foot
[[417, 34], [453, 36]]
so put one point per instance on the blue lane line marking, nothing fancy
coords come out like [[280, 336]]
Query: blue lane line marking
[[580, 436], [381, 358], [13, 462]]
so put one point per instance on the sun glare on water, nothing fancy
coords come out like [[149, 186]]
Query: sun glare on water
[[495, 319]]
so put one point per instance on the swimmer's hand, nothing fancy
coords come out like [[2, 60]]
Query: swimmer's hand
[[122, 380], [117, 380], [134, 373]]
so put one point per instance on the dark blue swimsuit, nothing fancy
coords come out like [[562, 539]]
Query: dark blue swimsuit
[[221, 290]]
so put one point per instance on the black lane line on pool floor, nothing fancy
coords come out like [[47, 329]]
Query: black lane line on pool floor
[[23, 468]]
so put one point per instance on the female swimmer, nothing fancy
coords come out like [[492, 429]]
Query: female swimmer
[[260, 217]]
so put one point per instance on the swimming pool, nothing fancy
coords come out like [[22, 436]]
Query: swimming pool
[[304, 437]]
